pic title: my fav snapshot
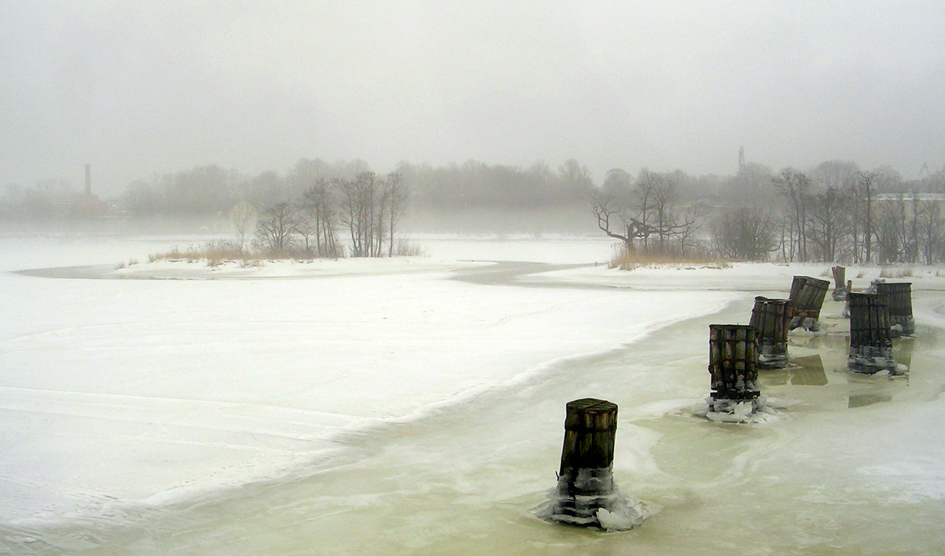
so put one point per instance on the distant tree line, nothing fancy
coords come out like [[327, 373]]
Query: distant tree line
[[43, 201], [832, 212], [211, 189]]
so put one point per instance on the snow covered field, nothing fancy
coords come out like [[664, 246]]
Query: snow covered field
[[416, 405]]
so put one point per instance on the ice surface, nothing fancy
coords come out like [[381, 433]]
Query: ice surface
[[383, 406], [148, 390]]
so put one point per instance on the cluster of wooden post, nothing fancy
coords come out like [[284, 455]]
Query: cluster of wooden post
[[736, 351], [772, 319], [585, 483], [877, 316]]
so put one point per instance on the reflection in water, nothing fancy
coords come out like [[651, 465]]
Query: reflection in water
[[862, 400], [838, 387], [808, 371], [773, 377], [801, 371]]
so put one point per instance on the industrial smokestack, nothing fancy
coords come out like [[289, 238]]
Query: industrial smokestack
[[88, 180]]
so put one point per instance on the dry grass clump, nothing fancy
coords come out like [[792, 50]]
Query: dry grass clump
[[215, 253], [626, 259], [404, 248], [219, 253], [896, 272]]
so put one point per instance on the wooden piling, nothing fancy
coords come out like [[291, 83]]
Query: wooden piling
[[807, 298], [846, 301], [585, 477], [870, 338], [839, 283], [771, 319], [732, 362], [899, 299]]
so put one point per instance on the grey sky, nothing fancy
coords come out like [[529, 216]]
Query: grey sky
[[141, 87]]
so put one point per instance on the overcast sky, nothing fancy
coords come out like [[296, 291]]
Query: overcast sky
[[138, 87]]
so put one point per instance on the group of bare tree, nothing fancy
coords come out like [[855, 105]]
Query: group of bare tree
[[645, 213], [745, 234], [837, 213], [370, 210], [366, 206]]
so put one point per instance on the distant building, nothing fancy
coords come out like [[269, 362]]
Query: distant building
[[910, 197], [83, 205]]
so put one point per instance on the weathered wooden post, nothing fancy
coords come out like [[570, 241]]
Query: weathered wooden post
[[839, 283], [807, 298], [899, 298], [586, 494], [870, 339], [771, 319], [733, 357], [846, 305]]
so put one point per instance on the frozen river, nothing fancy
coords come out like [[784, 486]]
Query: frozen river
[[848, 464]]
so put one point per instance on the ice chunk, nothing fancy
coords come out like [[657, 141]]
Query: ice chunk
[[614, 521]]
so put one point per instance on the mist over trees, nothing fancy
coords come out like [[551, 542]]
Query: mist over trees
[[835, 211]]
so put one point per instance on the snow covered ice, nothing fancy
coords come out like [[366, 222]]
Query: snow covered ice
[[344, 407]]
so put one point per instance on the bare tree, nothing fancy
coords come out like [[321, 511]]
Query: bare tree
[[243, 216], [644, 194], [396, 196], [357, 212], [685, 230], [891, 230], [646, 210], [371, 209], [930, 226], [608, 211], [795, 186], [576, 179], [664, 195], [276, 229], [318, 219], [864, 206], [746, 233], [829, 221]]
